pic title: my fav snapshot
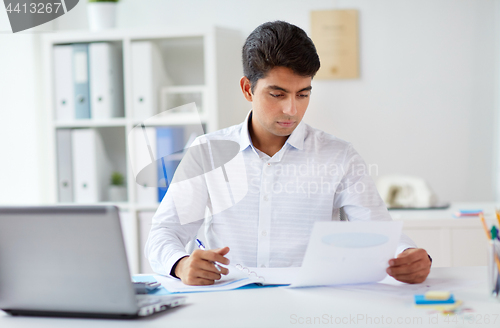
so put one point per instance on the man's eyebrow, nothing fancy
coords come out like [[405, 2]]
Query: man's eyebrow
[[275, 87]]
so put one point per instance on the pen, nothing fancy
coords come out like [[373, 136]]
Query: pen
[[485, 227], [201, 246]]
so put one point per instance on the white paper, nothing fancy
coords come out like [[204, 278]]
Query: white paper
[[348, 253]]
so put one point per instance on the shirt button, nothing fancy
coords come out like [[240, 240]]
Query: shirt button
[[266, 198], [264, 233]]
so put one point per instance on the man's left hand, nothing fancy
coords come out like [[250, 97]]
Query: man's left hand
[[411, 266]]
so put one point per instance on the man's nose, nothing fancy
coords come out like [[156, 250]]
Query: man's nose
[[290, 107]]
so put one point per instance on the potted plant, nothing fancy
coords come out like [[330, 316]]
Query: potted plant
[[101, 14], [117, 189]]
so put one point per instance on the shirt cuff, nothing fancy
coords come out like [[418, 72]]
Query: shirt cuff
[[173, 260]]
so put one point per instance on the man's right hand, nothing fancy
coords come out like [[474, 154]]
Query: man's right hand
[[199, 267]]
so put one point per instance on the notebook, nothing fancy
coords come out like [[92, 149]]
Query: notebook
[[238, 276]]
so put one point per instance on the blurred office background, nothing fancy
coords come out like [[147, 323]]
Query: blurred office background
[[426, 103]]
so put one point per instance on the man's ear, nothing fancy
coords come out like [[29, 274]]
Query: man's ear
[[246, 88]]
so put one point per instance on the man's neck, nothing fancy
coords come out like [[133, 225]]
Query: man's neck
[[266, 142]]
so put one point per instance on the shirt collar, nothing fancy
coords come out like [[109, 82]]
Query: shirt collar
[[245, 134], [296, 139]]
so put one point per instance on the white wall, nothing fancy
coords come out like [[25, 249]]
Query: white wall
[[22, 163], [425, 103]]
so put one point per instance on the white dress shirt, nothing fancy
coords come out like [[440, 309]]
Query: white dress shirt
[[264, 207]]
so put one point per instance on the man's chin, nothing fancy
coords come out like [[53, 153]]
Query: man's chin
[[283, 132]]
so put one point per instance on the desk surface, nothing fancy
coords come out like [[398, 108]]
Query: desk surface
[[282, 307]]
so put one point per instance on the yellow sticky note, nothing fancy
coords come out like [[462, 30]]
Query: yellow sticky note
[[437, 295]]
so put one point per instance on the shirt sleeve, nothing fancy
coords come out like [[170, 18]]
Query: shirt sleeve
[[179, 216], [358, 196]]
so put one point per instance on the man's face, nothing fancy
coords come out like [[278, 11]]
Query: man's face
[[279, 102]]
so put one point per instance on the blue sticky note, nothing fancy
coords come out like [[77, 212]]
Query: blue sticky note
[[421, 300]]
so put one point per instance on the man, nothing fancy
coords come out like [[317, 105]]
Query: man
[[295, 175]]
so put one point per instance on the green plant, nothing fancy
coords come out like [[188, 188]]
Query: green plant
[[104, 0], [117, 179]]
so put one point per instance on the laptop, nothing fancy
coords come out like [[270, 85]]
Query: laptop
[[69, 261]]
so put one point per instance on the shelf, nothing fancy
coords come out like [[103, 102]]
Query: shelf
[[121, 206], [146, 207], [203, 68], [184, 89], [175, 119], [63, 37], [92, 123]]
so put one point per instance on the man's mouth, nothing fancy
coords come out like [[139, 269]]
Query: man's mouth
[[286, 124]]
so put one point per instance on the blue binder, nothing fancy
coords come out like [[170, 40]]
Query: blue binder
[[81, 80], [168, 141]]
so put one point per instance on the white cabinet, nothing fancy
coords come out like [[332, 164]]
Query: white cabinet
[[449, 241], [193, 66]]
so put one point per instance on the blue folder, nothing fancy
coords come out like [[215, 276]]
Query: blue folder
[[81, 80], [169, 140]]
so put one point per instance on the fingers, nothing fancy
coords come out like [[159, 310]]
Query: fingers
[[411, 266], [200, 267], [412, 278], [222, 251], [209, 266], [213, 255], [408, 268], [196, 273], [409, 256]]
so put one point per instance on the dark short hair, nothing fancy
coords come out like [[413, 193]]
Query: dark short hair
[[275, 44]]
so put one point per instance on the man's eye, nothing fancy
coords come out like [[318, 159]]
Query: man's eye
[[275, 95], [304, 95]]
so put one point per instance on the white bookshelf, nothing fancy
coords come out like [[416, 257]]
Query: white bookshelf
[[203, 65]]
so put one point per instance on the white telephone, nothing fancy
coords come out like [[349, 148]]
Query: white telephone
[[402, 191]]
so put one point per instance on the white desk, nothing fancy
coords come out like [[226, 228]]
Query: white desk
[[281, 307]]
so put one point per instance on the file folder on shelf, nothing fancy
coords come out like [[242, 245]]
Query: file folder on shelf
[[106, 81], [147, 191], [64, 166], [81, 80], [169, 140], [63, 83], [148, 76], [91, 168]]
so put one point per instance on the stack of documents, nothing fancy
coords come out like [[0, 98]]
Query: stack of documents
[[88, 81]]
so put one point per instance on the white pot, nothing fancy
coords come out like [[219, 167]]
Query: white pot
[[117, 194], [101, 15]]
